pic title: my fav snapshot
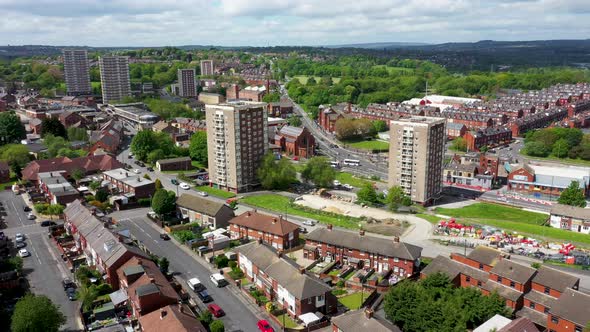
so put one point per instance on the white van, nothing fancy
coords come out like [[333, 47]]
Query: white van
[[218, 280], [195, 284]]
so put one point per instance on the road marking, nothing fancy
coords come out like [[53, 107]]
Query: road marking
[[17, 214]]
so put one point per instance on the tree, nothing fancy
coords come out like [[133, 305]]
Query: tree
[[379, 126], [77, 134], [396, 197], [52, 126], [94, 185], [15, 155], [55, 210], [536, 149], [573, 195], [276, 175], [36, 313], [217, 326], [158, 184], [560, 148], [319, 171], [294, 121], [164, 264], [87, 294], [459, 144], [163, 202], [146, 141], [11, 129], [77, 174], [367, 195], [272, 97], [198, 147], [101, 195], [206, 317], [155, 155]]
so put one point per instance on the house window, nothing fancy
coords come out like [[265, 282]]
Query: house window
[[480, 266], [532, 305], [479, 284], [546, 310], [512, 284], [499, 279], [320, 298], [547, 290], [578, 328], [468, 279], [309, 301], [554, 320]]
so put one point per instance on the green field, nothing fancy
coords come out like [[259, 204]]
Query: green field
[[303, 79], [372, 145], [216, 192], [354, 301], [578, 162], [93, 84], [430, 218], [281, 204], [495, 212], [396, 70], [352, 180]]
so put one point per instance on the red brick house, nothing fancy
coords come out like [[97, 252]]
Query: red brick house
[[295, 141], [102, 248], [129, 183], [281, 109], [285, 282], [88, 164], [362, 320], [146, 287], [327, 118], [488, 137], [273, 231], [455, 130], [4, 172], [172, 318], [69, 119], [509, 280], [206, 212], [570, 313], [357, 248], [35, 125]]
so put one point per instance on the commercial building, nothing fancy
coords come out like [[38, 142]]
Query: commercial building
[[187, 83], [211, 98], [136, 114], [571, 218], [129, 183], [283, 281], [206, 212], [77, 72], [547, 182], [114, 78], [416, 156], [368, 251], [273, 231], [207, 68], [237, 138], [174, 164], [57, 189]]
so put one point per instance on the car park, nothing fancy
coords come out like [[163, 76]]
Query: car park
[[264, 326], [24, 253], [184, 186], [215, 310], [204, 296]]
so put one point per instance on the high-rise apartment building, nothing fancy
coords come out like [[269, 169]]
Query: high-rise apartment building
[[237, 137], [416, 156], [77, 72], [114, 78], [187, 83], [207, 67]]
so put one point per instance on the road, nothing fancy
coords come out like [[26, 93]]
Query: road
[[44, 268], [240, 315]]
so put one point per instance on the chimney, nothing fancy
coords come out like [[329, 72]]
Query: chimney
[[330, 227], [369, 313], [301, 270], [162, 313], [152, 280], [361, 232], [248, 213], [274, 220], [396, 239]]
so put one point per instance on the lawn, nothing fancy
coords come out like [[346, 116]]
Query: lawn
[[579, 162], [8, 184], [394, 70], [353, 301], [197, 164], [372, 145], [352, 180], [93, 84], [289, 323], [216, 192], [304, 78], [428, 217], [281, 204], [494, 211]]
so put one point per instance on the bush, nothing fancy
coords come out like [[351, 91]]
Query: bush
[[233, 264], [206, 317], [340, 284], [221, 261], [104, 289], [183, 236], [101, 195], [217, 326], [144, 202], [89, 198], [41, 208]]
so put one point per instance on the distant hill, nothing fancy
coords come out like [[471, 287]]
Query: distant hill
[[386, 45]]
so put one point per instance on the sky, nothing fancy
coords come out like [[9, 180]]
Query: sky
[[286, 22]]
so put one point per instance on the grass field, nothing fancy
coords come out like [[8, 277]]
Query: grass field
[[281, 204], [578, 162], [394, 70], [496, 212], [372, 145], [289, 322], [430, 218], [354, 301], [197, 164], [352, 180], [216, 192], [304, 78], [93, 84]]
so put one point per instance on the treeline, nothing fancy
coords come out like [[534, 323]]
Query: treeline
[[558, 142]]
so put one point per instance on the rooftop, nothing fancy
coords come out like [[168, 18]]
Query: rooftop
[[573, 306], [513, 271], [200, 204], [264, 223], [571, 211], [360, 320]]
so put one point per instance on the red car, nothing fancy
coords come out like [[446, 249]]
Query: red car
[[264, 326], [216, 310]]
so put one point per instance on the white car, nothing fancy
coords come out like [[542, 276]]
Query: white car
[[24, 253], [336, 183], [204, 194], [347, 186], [184, 186], [136, 171], [19, 237], [309, 222], [31, 216]]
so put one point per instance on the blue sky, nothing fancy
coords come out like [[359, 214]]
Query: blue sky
[[287, 22]]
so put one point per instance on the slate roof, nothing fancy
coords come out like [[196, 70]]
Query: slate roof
[[573, 306], [172, 318], [173, 160], [540, 298], [357, 320], [504, 291], [284, 271], [555, 279], [264, 223], [453, 268], [533, 315], [365, 243], [291, 131], [485, 255], [513, 271], [200, 204], [570, 211], [521, 324]]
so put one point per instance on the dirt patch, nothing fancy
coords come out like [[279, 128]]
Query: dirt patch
[[391, 227], [333, 209]]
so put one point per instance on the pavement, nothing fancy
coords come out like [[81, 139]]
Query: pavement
[[241, 313], [44, 268]]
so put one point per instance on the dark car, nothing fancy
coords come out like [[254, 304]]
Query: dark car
[[174, 182], [26, 208], [204, 296], [68, 283], [164, 236], [141, 164], [150, 169], [47, 223], [302, 230], [71, 293]]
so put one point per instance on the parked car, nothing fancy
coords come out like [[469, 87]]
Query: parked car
[[218, 280], [195, 284], [336, 183], [264, 326], [185, 186], [71, 293], [204, 194], [31, 216], [203, 249], [26, 208], [309, 222], [215, 310], [164, 236], [302, 230], [68, 283], [141, 164], [136, 171], [47, 223], [347, 186], [150, 169], [19, 237], [19, 245], [174, 182], [24, 253], [204, 296]]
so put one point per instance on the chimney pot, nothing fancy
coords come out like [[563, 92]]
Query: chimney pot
[[162, 313]]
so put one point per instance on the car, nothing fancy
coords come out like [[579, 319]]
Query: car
[[71, 293], [336, 183], [195, 284], [174, 182], [302, 230], [309, 222], [202, 193], [31, 216], [184, 186], [19, 245], [204, 296], [68, 283], [19, 237], [130, 156], [24, 253], [218, 280], [264, 326], [141, 164], [347, 186], [26, 208], [150, 169], [47, 223], [164, 236], [215, 310], [136, 171], [203, 248]]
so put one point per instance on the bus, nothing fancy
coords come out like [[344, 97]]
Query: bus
[[335, 164], [351, 162]]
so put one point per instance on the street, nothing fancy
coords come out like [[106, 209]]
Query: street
[[239, 316], [44, 268]]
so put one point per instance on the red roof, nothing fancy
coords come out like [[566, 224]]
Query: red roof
[[264, 223], [89, 164]]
